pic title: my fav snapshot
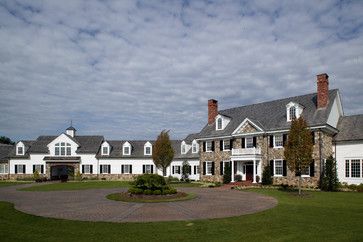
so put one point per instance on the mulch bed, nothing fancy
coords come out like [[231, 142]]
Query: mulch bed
[[127, 197]]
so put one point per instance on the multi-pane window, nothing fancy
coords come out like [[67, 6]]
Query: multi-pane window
[[20, 150], [305, 171], [148, 169], [208, 146], [126, 169], [87, 169], [105, 150], [219, 123], [194, 147], [249, 142], [126, 150], [37, 168], [147, 150], [105, 168], [4, 168], [226, 145], [355, 168], [176, 170], [278, 168], [196, 170], [62, 149], [347, 170], [19, 169], [209, 167], [183, 149], [278, 140]]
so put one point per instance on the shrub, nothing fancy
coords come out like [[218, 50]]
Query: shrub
[[330, 180], [360, 188], [78, 176], [157, 192], [135, 190], [148, 192], [172, 179], [36, 176], [238, 177], [186, 170], [227, 173], [266, 176], [150, 181]]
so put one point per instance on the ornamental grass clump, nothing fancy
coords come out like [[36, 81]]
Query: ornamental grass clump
[[151, 184]]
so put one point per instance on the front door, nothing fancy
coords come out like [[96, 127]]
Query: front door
[[249, 172]]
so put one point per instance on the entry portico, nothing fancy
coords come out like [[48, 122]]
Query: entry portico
[[247, 163]]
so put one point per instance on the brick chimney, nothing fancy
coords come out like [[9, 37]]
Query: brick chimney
[[212, 110], [323, 90]]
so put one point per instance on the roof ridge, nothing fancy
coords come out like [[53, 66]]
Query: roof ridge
[[281, 99]]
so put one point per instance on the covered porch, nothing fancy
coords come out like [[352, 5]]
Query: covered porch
[[246, 163]]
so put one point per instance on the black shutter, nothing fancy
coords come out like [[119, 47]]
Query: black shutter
[[204, 146], [271, 141], [231, 144], [33, 168], [254, 141], [195, 170], [42, 169], [204, 168], [312, 168], [284, 139], [173, 169], [109, 169], [272, 167], [243, 142], [284, 168], [91, 169], [16, 169], [82, 169], [313, 137], [221, 167], [212, 145], [143, 169], [24, 169], [212, 168], [190, 169], [101, 171], [152, 169], [130, 169], [221, 145], [122, 169]]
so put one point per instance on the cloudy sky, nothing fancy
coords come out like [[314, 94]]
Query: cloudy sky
[[129, 69]]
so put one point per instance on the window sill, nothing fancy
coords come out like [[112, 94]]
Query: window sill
[[278, 176]]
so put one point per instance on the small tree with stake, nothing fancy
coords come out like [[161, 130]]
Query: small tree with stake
[[299, 148], [330, 179], [163, 152]]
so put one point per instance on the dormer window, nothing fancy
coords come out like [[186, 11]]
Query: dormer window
[[293, 111], [183, 148], [219, 123], [62, 149], [105, 150], [194, 146], [127, 148], [147, 148], [20, 150]]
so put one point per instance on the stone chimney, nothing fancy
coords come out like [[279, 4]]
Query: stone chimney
[[323, 90], [212, 110]]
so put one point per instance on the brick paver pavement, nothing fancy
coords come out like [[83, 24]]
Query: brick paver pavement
[[92, 205]]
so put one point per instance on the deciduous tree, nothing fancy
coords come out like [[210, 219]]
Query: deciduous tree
[[299, 148], [163, 152]]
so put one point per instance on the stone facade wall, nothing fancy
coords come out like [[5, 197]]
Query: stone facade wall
[[268, 153], [118, 177]]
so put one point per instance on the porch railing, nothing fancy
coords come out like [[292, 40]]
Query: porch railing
[[246, 151]]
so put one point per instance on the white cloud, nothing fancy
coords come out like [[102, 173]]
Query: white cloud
[[129, 69]]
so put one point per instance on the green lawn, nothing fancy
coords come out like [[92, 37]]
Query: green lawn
[[91, 185], [11, 183], [320, 216]]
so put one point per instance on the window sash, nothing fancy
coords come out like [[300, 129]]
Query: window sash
[[105, 150], [38, 168], [208, 145], [292, 113], [347, 171], [20, 150], [226, 144], [278, 141], [194, 148], [20, 169], [305, 171], [105, 169], [148, 169], [278, 168], [4, 168], [147, 150], [219, 123], [127, 169], [355, 168], [86, 169], [126, 150], [249, 142], [183, 149], [209, 168]]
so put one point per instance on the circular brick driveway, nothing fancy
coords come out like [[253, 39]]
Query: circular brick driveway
[[92, 205]]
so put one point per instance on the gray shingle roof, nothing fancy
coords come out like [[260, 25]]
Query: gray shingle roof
[[4, 152], [271, 115], [350, 128], [137, 150]]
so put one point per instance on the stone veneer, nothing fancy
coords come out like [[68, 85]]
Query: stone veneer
[[268, 154]]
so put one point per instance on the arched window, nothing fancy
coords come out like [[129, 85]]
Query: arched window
[[62, 149], [219, 123], [292, 113]]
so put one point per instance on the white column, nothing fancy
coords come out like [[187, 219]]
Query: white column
[[232, 171], [259, 170], [254, 171]]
